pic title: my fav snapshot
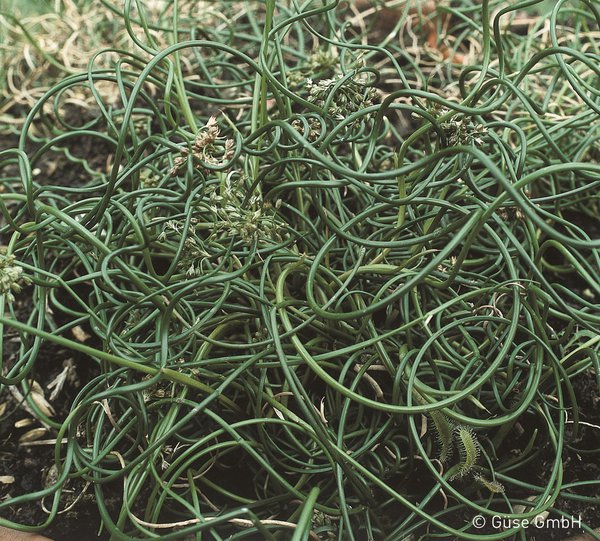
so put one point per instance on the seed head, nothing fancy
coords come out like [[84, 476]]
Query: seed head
[[11, 277]]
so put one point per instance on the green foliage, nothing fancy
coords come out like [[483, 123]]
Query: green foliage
[[11, 277], [290, 238]]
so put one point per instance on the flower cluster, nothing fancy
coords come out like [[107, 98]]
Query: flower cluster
[[209, 148], [320, 61], [314, 129], [193, 255], [511, 214], [226, 211], [343, 99], [321, 520], [462, 131], [238, 214], [11, 277], [459, 130]]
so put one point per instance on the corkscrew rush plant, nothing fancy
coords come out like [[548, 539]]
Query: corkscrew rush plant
[[334, 286]]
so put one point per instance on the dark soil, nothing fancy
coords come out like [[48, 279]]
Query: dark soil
[[32, 466]]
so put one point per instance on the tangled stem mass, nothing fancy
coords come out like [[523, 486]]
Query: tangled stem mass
[[333, 285]]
